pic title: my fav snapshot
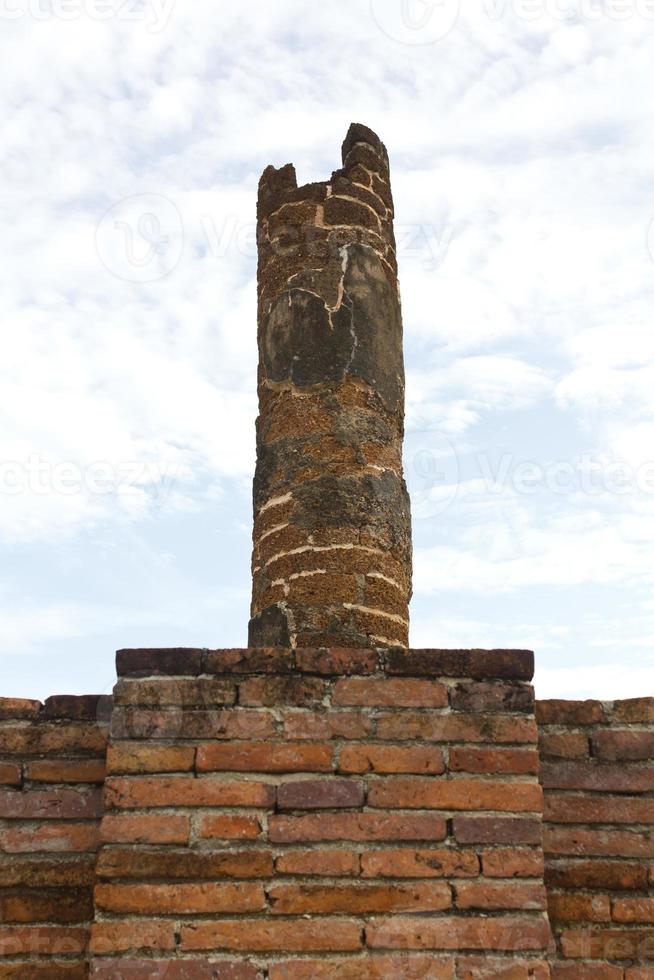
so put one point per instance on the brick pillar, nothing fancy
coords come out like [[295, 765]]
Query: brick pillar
[[332, 534]]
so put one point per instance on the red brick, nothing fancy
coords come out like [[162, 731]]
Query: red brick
[[628, 745], [497, 895], [122, 936], [580, 971], [512, 862], [447, 932], [46, 970], [609, 875], [21, 708], [597, 777], [62, 771], [387, 692], [497, 830], [186, 791], [135, 757], [10, 774], [640, 973], [355, 826], [610, 843], [608, 944], [334, 661], [391, 759], [53, 836], [370, 968], [425, 863], [183, 899], [144, 828], [53, 739], [264, 757], [61, 905], [633, 910], [249, 661], [578, 907], [60, 804], [634, 711], [177, 723], [203, 969], [41, 940], [85, 707], [321, 794], [430, 727], [563, 745], [286, 690], [455, 794], [47, 871], [326, 725], [569, 712], [261, 935], [157, 692], [230, 827], [150, 663], [486, 696], [573, 808], [515, 665], [172, 864], [359, 899], [492, 761], [485, 968], [319, 863]]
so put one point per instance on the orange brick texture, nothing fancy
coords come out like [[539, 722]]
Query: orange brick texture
[[52, 769], [332, 531], [317, 813], [326, 813], [597, 772]]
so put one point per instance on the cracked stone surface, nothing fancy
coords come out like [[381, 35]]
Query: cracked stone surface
[[332, 532]]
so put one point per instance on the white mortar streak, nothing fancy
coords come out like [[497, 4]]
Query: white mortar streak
[[273, 530], [275, 502], [376, 612], [322, 548]]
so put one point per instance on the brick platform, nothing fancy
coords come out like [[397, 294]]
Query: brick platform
[[322, 814], [342, 814]]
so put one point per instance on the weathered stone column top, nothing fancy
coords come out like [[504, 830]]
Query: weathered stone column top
[[332, 539]]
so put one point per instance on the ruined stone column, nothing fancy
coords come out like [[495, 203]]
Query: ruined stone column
[[332, 533]]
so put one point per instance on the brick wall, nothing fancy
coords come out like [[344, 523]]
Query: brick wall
[[326, 814], [598, 776], [51, 773], [321, 814]]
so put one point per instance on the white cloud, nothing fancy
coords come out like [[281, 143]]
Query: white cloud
[[521, 157]]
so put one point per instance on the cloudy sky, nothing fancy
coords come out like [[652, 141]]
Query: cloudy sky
[[521, 137]]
